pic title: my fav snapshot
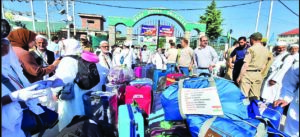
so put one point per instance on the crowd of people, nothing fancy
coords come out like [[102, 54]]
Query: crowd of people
[[36, 70]]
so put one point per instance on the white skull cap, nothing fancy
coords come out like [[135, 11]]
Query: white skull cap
[[294, 45]]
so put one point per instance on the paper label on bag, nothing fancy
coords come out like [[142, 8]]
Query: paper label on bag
[[201, 101]]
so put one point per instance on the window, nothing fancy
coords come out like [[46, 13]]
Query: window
[[90, 21]]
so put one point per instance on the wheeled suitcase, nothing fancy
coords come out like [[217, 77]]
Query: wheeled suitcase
[[159, 127], [141, 81], [141, 95], [96, 105], [148, 70], [131, 121], [159, 75]]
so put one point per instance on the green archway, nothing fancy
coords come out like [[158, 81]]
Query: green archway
[[130, 22]]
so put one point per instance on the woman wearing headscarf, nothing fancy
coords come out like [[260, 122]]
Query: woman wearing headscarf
[[22, 40], [67, 71], [13, 90]]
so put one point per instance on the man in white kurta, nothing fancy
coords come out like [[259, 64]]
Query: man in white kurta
[[271, 87], [290, 95]]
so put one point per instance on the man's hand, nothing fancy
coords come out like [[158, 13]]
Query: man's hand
[[231, 65], [56, 62], [280, 102], [272, 82]]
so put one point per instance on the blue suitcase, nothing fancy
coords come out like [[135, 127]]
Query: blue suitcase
[[141, 81], [158, 74], [130, 121], [147, 71]]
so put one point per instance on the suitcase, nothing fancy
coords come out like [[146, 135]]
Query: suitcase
[[171, 78], [157, 76], [149, 71], [156, 103], [96, 105], [159, 127], [138, 72], [272, 114], [131, 121], [141, 95], [115, 101], [141, 81]]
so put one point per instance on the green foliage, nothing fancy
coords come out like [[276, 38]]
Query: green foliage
[[213, 20]]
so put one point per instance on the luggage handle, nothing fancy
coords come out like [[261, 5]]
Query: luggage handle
[[206, 125]]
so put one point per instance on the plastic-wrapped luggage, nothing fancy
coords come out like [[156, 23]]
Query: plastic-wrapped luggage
[[205, 125], [158, 76], [148, 71], [141, 95], [232, 100], [120, 75], [138, 72], [141, 81], [131, 121], [115, 101], [258, 109], [96, 105]]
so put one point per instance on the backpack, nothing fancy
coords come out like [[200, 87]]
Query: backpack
[[87, 76]]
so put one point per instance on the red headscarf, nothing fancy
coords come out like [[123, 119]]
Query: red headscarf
[[21, 38]]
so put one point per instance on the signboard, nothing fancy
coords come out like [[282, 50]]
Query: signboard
[[201, 101], [148, 30], [147, 40], [167, 31]]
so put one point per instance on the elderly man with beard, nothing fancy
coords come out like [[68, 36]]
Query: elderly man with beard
[[272, 84], [42, 55]]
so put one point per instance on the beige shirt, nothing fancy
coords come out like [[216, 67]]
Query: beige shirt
[[171, 55], [185, 57], [257, 57]]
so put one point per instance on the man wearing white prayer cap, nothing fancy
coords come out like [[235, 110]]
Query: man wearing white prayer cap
[[42, 55], [294, 51], [273, 82]]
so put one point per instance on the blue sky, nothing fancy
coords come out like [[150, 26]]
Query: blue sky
[[240, 19]]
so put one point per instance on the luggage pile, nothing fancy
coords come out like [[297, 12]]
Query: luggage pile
[[165, 104]]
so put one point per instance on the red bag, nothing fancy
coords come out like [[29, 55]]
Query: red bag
[[114, 102], [171, 78], [141, 95]]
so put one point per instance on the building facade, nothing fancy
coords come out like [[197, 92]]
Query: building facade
[[289, 37]]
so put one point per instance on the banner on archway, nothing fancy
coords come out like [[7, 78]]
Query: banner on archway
[[166, 31], [148, 30]]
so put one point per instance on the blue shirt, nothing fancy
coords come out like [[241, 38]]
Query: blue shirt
[[240, 53]]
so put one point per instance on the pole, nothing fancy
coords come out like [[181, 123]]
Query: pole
[[2, 11], [257, 18], [32, 14], [47, 18], [158, 24], [74, 29], [269, 22], [67, 11]]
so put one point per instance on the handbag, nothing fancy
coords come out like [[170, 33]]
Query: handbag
[[67, 93], [31, 122]]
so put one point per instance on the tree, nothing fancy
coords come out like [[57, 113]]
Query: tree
[[213, 20]]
